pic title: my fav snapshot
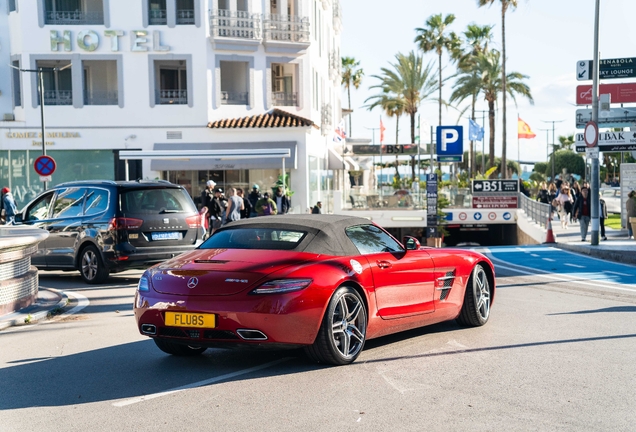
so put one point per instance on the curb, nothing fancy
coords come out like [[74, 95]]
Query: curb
[[19, 320], [615, 256]]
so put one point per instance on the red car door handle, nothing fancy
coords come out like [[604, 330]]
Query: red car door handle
[[384, 264]]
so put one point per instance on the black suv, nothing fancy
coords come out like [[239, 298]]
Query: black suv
[[101, 227]]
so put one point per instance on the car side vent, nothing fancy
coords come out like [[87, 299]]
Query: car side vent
[[174, 135], [446, 283]]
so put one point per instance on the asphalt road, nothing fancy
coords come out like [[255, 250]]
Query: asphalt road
[[559, 353]]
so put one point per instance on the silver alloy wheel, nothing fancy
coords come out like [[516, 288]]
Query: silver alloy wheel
[[481, 288], [89, 264], [348, 325]]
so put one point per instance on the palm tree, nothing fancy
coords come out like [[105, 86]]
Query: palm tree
[[505, 4], [410, 82], [393, 105], [476, 39], [489, 67], [566, 141], [351, 76], [434, 37]]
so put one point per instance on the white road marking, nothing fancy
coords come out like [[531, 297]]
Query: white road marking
[[574, 265], [619, 274], [198, 384], [535, 255], [82, 302], [561, 279], [549, 259]]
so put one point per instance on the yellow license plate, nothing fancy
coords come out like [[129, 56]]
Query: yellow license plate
[[183, 319]]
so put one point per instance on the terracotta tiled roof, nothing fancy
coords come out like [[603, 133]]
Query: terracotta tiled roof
[[271, 119]]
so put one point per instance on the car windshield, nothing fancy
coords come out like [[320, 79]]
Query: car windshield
[[254, 238], [155, 200]]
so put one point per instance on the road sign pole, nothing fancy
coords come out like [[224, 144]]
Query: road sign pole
[[41, 87], [595, 162]]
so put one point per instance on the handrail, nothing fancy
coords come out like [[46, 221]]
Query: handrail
[[536, 211]]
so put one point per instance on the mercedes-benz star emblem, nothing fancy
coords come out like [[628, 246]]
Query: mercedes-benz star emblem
[[193, 282]]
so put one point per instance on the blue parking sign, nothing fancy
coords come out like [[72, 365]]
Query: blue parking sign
[[450, 140]]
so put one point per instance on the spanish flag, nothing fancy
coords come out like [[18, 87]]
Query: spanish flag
[[523, 129]]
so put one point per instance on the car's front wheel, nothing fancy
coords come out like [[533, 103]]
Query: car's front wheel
[[343, 330], [91, 266], [476, 308], [178, 349]]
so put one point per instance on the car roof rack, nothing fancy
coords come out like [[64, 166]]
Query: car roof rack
[[80, 182]]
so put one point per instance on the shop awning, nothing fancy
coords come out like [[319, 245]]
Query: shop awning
[[217, 156], [337, 162]]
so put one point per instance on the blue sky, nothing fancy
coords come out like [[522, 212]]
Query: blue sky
[[544, 40]]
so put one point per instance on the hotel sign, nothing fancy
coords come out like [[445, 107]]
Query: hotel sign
[[89, 40]]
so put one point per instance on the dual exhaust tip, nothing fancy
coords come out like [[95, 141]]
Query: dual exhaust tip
[[245, 334]]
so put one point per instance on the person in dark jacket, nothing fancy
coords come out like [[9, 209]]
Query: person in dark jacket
[[253, 198], [316, 209], [282, 201], [219, 206], [583, 210], [247, 206], [602, 215]]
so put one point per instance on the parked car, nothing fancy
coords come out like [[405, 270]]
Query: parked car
[[102, 227], [326, 283], [612, 197]]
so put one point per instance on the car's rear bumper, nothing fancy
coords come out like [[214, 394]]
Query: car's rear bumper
[[288, 319], [142, 258]]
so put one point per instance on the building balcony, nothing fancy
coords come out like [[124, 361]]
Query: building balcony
[[286, 33], [326, 4], [185, 17], [337, 16], [234, 98], [74, 18], [101, 98], [334, 66], [326, 122], [158, 17], [235, 30], [171, 97], [285, 98], [58, 97]]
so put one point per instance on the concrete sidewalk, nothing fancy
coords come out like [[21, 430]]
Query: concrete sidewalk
[[617, 247], [47, 302]]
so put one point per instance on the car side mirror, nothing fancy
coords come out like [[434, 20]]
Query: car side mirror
[[18, 218], [411, 243]]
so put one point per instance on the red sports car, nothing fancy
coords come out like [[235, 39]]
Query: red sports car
[[324, 282]]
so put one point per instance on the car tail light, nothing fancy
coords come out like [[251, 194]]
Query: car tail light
[[122, 223], [194, 221], [282, 286]]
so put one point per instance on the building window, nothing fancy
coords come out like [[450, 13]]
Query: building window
[[12, 6], [100, 82], [58, 83], [185, 12], [17, 84], [172, 83], [284, 79], [74, 12], [234, 83], [157, 13]]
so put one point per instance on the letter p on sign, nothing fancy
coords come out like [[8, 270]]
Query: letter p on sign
[[450, 140]]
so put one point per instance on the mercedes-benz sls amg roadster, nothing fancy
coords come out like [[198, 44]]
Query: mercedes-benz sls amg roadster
[[323, 282]]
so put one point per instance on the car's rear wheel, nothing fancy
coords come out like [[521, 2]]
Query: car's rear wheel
[[343, 330], [476, 308], [178, 349], [91, 266]]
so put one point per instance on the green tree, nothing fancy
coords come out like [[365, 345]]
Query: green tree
[[566, 142], [410, 81], [351, 76], [476, 41], [541, 168], [505, 5], [435, 37], [489, 66], [571, 161]]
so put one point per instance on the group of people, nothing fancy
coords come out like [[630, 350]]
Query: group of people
[[224, 209], [573, 203], [8, 208]]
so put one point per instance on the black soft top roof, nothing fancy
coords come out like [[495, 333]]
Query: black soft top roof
[[325, 233]]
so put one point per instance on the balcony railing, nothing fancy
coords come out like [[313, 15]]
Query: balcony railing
[[235, 24], [58, 97], [334, 66], [101, 98], [185, 17], [74, 18], [234, 98], [171, 97], [286, 28], [326, 118], [337, 16], [285, 99], [158, 17]]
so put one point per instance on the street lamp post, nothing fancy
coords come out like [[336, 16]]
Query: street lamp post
[[595, 162]]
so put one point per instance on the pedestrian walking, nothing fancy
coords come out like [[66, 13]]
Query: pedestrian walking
[[217, 214], [282, 201], [564, 200], [582, 211], [543, 195], [630, 206], [247, 206], [266, 206], [602, 215], [234, 206], [316, 209], [9, 207], [207, 200], [253, 198]]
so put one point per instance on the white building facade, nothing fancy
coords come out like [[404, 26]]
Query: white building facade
[[156, 75]]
